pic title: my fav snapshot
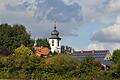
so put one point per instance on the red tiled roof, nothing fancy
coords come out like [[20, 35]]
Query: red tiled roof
[[42, 51]]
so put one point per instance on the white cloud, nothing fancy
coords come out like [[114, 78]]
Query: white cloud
[[107, 38], [90, 10], [114, 6], [96, 46], [103, 46], [70, 2], [5, 2], [109, 34], [25, 11], [101, 11]]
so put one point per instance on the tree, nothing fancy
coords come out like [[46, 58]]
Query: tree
[[116, 56], [12, 37], [43, 43], [22, 50], [66, 49], [63, 49], [5, 34], [115, 68], [21, 65]]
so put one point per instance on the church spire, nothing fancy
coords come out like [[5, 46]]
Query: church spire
[[54, 40], [55, 25]]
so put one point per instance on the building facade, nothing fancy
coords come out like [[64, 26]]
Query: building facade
[[103, 56], [55, 41]]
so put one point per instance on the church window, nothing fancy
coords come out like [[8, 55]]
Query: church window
[[52, 42]]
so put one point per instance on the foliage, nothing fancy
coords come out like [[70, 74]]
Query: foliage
[[22, 50], [115, 71], [21, 65], [66, 49], [12, 37], [43, 43], [116, 56], [24, 64]]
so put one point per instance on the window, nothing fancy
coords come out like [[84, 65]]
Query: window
[[58, 42], [52, 42]]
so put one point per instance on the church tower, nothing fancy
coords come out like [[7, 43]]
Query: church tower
[[54, 40]]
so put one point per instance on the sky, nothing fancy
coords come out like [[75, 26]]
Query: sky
[[83, 24]]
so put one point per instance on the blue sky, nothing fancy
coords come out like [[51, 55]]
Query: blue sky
[[83, 24]]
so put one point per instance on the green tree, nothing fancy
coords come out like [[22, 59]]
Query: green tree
[[12, 37], [114, 71], [43, 43], [90, 68], [66, 49], [116, 56], [22, 50], [21, 65], [5, 34]]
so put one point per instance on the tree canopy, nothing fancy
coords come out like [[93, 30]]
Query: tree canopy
[[115, 69], [43, 42], [116, 56], [24, 64], [12, 37]]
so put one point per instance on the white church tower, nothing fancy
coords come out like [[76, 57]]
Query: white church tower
[[54, 41]]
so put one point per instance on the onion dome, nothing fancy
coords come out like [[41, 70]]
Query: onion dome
[[55, 32]]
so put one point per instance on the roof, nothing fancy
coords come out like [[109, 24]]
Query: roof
[[42, 51], [55, 34], [54, 37], [4, 51], [108, 63], [98, 55]]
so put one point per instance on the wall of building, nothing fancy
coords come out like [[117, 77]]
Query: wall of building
[[55, 47]]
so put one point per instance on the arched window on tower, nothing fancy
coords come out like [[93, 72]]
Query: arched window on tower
[[52, 42], [58, 43]]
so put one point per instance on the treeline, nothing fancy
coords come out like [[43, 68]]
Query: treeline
[[12, 36], [24, 64]]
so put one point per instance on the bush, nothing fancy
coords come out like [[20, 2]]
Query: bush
[[25, 65]]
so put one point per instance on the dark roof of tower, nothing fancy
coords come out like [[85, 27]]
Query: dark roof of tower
[[55, 33]]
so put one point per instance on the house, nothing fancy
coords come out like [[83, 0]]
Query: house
[[42, 51], [103, 56]]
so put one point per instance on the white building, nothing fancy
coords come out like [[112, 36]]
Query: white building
[[54, 41]]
